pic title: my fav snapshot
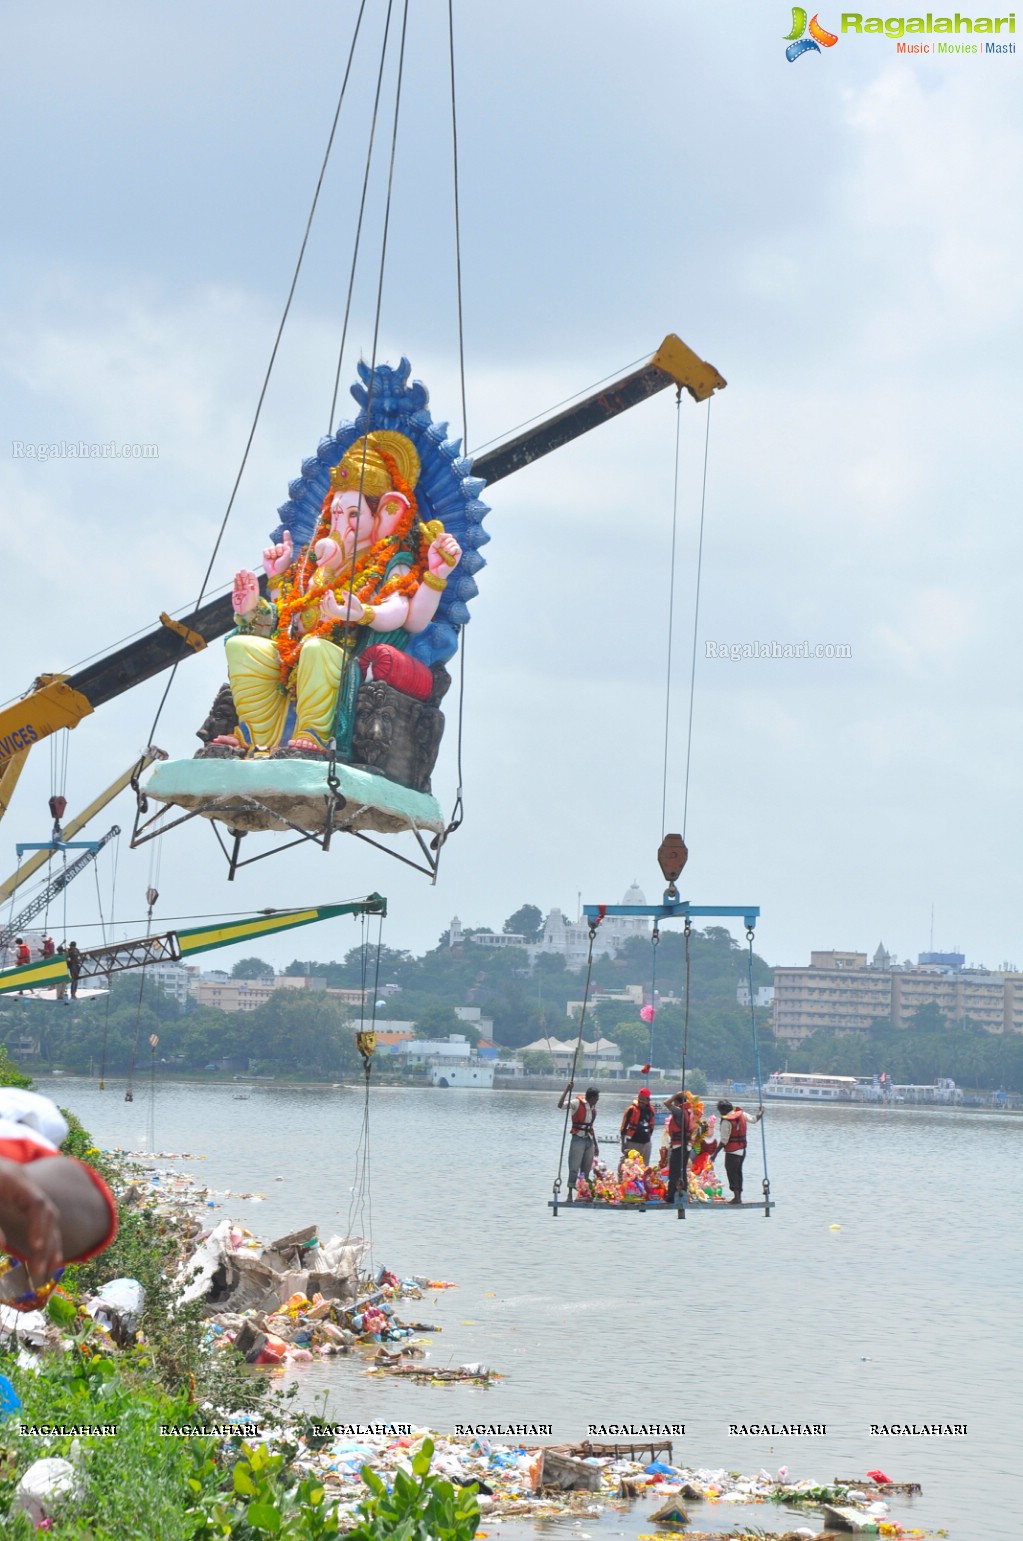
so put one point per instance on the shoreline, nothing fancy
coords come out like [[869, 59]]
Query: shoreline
[[973, 1102]]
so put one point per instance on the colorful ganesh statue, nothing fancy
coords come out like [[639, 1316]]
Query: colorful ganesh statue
[[367, 583]]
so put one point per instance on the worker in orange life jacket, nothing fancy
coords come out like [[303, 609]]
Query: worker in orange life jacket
[[582, 1147], [732, 1137], [638, 1126], [681, 1125], [24, 954]]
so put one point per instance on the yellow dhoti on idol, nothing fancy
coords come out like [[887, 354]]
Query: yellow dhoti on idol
[[261, 699], [265, 673]]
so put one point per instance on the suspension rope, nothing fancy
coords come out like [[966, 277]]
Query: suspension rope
[[655, 937], [696, 621], [103, 1050], [358, 225], [360, 1208], [671, 611], [266, 378], [458, 809], [10, 913], [110, 991], [63, 894], [99, 902], [567, 1094], [587, 390], [151, 1128], [458, 226], [349, 656], [129, 1095], [760, 1082], [685, 1020]]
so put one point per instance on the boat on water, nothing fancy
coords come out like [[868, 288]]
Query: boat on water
[[793, 1086]]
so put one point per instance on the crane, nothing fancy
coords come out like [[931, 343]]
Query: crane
[[172, 946], [58, 701], [56, 886], [74, 826]]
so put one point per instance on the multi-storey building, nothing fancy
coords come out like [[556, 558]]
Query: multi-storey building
[[841, 992]]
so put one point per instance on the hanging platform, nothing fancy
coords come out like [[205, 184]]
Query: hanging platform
[[659, 1206], [283, 794], [312, 799]]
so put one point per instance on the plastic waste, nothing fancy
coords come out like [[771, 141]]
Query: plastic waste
[[45, 1487], [119, 1305], [10, 1402]]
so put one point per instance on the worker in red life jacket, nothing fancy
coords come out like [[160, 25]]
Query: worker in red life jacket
[[24, 954], [638, 1126], [48, 948], [582, 1147], [680, 1137], [732, 1137]]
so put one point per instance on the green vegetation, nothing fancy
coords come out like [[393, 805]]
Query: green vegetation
[[144, 1481], [928, 1047], [310, 1034], [420, 1508]]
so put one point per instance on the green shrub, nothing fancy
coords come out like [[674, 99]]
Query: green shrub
[[418, 1508]]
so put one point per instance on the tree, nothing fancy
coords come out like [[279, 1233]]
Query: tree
[[538, 1062], [436, 1019], [633, 1038], [252, 968], [527, 922]]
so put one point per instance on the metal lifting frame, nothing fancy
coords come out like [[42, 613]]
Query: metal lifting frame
[[673, 908], [155, 826], [89, 848]]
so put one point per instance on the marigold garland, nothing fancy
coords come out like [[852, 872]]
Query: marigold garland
[[305, 589]]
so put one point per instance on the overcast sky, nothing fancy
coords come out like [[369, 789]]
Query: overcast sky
[[839, 236]]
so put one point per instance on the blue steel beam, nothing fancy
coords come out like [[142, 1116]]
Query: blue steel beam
[[59, 845], [681, 909]]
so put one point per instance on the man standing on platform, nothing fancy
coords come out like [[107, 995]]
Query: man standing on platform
[[638, 1126], [732, 1139], [680, 1137], [583, 1144]]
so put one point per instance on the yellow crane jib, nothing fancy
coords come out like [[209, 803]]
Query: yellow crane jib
[[51, 705], [687, 369], [193, 639]]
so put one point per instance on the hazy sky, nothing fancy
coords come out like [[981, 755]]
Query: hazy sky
[[839, 236]]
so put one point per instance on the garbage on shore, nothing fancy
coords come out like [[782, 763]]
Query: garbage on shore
[[537, 1480], [298, 1296]]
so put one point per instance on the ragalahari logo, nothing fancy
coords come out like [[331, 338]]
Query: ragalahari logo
[[800, 44]]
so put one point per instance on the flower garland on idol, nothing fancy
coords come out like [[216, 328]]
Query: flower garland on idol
[[307, 586]]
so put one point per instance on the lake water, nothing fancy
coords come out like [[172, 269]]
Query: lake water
[[908, 1313]]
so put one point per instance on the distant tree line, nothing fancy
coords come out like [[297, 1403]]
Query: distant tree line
[[309, 1033], [930, 1045]]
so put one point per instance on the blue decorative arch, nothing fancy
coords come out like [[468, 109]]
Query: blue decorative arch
[[446, 490]]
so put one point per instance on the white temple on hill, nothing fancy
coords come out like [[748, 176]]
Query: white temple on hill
[[569, 939]]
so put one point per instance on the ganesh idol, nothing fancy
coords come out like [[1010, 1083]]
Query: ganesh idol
[[371, 574]]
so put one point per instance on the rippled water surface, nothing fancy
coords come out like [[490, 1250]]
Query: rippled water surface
[[884, 1288]]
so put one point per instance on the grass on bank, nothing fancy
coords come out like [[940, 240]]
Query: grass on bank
[[143, 1484]]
